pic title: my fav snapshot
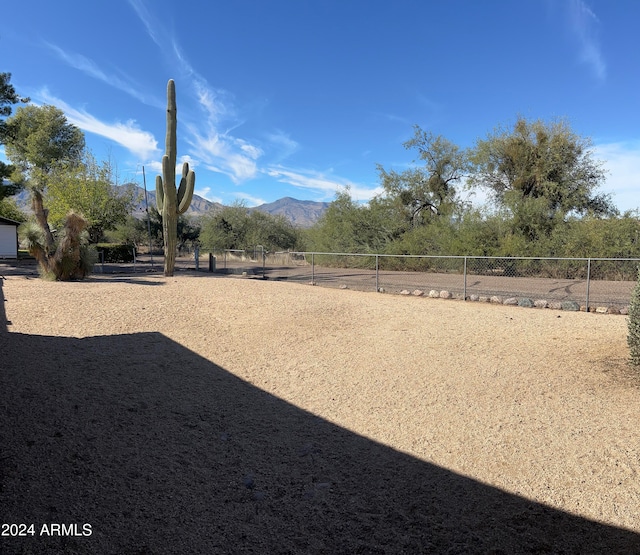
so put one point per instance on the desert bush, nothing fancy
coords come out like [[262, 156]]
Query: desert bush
[[114, 252], [633, 323], [71, 256]]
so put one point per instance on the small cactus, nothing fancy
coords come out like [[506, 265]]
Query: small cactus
[[172, 202]]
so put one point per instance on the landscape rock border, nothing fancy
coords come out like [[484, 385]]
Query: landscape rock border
[[524, 302]]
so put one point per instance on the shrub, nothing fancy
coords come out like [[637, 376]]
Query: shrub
[[114, 252], [633, 322]]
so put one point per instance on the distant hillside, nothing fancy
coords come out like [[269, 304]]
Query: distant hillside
[[301, 213], [198, 207]]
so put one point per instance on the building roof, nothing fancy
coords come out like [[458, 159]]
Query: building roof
[[9, 222]]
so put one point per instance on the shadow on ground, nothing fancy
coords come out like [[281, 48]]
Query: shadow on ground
[[162, 451]]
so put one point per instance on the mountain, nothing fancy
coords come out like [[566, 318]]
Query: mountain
[[198, 207], [301, 213]]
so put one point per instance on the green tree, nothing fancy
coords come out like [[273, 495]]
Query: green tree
[[8, 97], [348, 226], [9, 209], [237, 227], [541, 172], [39, 140], [422, 193], [91, 189], [226, 229]]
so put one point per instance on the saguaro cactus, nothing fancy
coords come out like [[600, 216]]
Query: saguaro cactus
[[171, 202]]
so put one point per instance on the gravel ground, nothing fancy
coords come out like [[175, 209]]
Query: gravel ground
[[205, 414]]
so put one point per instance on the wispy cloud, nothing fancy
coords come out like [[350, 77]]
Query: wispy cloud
[[283, 144], [128, 134], [250, 200], [325, 185], [90, 68], [145, 16], [622, 160], [205, 192], [211, 140], [584, 26]]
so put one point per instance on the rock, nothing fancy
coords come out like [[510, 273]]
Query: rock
[[445, 295], [496, 299], [381, 290], [540, 303], [474, 298], [555, 305], [613, 310], [571, 306], [601, 310], [511, 301], [434, 294], [624, 310], [343, 286], [484, 299], [525, 302], [405, 292], [417, 293]]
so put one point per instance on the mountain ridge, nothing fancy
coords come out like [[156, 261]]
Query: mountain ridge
[[301, 213]]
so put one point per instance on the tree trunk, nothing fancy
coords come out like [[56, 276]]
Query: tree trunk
[[41, 214]]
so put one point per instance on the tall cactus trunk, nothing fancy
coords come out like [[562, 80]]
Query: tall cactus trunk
[[170, 202]]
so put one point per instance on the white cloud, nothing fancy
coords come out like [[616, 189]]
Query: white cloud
[[328, 186], [622, 160], [205, 192], [283, 144], [129, 135], [584, 25], [89, 67], [227, 155], [144, 16], [251, 200]]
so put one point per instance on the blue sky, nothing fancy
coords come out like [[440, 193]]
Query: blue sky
[[301, 98]]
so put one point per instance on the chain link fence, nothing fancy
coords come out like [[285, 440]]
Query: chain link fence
[[588, 283], [595, 284]]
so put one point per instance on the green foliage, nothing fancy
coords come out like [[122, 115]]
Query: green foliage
[[113, 252], [541, 172], [236, 227], [172, 202], [347, 226], [91, 189], [633, 325], [39, 139], [8, 97], [420, 194], [10, 210]]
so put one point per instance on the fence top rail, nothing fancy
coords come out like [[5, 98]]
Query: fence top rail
[[463, 257]]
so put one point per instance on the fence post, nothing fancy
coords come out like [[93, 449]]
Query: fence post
[[377, 274], [464, 292], [313, 270], [134, 260], [197, 257], [588, 283]]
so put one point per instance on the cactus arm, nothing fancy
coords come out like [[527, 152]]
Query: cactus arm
[[185, 192], [159, 193]]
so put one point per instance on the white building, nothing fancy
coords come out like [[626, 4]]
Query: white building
[[8, 238]]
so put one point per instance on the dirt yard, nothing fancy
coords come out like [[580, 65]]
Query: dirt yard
[[206, 414]]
